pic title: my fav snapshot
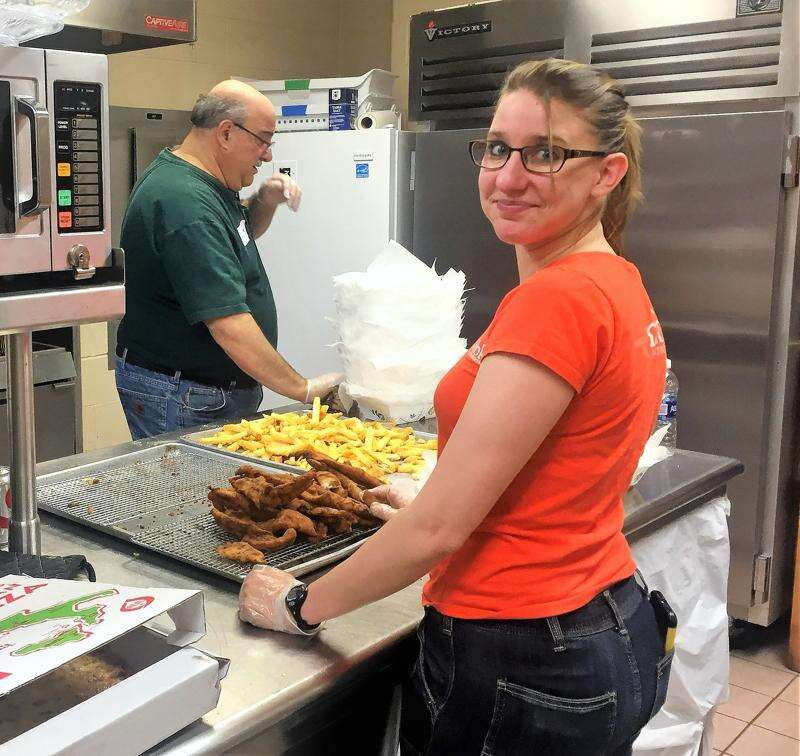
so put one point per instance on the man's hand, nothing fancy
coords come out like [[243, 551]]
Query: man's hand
[[385, 502], [262, 600], [280, 188], [321, 385]]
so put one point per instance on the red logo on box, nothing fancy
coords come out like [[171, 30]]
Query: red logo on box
[[163, 23], [5, 509], [134, 604], [3, 675]]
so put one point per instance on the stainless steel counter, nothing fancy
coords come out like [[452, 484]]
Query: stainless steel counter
[[275, 678]]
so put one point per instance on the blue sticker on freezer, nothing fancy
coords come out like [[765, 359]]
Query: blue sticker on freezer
[[362, 170]]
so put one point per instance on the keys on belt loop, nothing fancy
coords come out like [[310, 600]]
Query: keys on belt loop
[[638, 574]]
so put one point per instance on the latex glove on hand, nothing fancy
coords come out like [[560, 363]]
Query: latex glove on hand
[[280, 188], [385, 502], [262, 600], [321, 385]]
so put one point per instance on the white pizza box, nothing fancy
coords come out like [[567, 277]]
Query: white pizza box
[[45, 623]]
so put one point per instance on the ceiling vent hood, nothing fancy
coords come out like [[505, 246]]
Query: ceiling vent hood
[[111, 26]]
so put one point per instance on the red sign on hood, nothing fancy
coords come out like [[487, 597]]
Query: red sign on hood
[[163, 23]]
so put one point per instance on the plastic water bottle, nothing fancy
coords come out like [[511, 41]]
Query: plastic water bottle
[[668, 412]]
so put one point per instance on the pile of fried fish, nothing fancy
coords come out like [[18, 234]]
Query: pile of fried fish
[[267, 510]]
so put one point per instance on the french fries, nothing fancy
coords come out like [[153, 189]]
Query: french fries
[[372, 446]]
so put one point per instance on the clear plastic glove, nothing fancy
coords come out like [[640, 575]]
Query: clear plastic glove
[[321, 385], [385, 502], [280, 188], [262, 600]]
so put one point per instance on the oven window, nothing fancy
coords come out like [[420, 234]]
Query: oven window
[[7, 224]]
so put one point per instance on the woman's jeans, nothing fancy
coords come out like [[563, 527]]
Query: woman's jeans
[[157, 403], [582, 683]]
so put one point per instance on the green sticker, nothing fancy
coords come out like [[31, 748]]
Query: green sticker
[[290, 84], [64, 197]]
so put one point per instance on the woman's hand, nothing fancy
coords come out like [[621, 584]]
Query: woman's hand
[[385, 502], [262, 600]]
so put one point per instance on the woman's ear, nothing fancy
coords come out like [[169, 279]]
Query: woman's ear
[[613, 170]]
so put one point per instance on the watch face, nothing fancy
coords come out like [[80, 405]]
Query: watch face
[[295, 594], [294, 601]]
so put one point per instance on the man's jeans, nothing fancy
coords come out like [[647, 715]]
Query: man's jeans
[[157, 403]]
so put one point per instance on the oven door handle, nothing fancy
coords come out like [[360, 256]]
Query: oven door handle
[[39, 119]]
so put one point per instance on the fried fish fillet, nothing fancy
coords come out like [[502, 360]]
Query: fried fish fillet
[[328, 514], [253, 488], [263, 494], [329, 481], [324, 498], [288, 491], [256, 472], [268, 542], [238, 526], [287, 519], [230, 500], [351, 488], [239, 551], [363, 479]]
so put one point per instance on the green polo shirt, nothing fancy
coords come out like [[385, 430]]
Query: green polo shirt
[[189, 256]]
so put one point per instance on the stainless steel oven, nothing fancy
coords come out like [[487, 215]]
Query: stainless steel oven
[[54, 209], [57, 265]]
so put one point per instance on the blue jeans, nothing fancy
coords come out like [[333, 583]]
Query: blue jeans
[[156, 403], [581, 684]]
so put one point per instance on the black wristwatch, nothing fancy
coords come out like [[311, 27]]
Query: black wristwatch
[[294, 603]]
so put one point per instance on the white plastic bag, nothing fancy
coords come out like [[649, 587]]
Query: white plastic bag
[[687, 560], [24, 20], [399, 327]]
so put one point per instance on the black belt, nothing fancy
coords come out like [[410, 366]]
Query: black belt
[[134, 359], [594, 616]]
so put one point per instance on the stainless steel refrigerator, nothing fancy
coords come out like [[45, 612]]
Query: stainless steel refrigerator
[[715, 87]]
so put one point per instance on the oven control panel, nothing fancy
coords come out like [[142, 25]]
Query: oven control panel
[[79, 156]]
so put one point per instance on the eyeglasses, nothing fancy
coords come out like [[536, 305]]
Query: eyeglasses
[[267, 144], [539, 158]]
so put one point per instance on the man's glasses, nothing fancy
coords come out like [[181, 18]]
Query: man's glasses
[[493, 155], [267, 144]]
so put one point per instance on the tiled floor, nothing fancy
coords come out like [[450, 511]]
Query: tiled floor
[[762, 716]]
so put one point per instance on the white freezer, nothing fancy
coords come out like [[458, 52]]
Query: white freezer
[[356, 197]]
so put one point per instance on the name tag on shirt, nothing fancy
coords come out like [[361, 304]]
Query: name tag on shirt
[[243, 235]]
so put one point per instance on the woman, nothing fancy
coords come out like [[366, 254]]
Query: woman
[[536, 637]]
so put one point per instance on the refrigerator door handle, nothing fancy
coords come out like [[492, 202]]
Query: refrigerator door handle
[[41, 185]]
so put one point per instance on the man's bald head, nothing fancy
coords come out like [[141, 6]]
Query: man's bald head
[[233, 129], [231, 100]]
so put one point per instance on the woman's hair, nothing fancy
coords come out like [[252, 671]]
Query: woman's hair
[[600, 98]]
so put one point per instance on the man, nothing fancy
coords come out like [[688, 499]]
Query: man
[[200, 331]]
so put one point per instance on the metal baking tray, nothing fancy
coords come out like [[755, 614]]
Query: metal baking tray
[[156, 498], [194, 437]]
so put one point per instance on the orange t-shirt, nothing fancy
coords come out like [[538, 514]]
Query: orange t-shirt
[[554, 538]]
